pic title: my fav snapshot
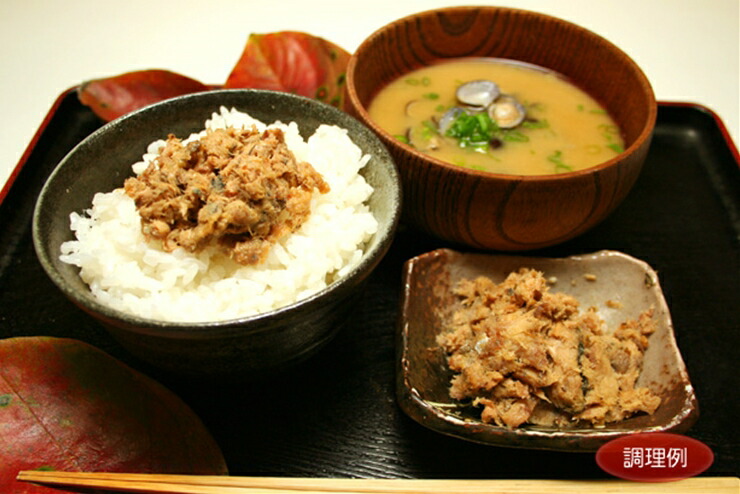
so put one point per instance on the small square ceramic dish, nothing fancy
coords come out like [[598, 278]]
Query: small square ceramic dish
[[599, 279]]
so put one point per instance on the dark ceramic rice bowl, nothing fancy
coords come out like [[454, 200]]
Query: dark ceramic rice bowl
[[266, 341]]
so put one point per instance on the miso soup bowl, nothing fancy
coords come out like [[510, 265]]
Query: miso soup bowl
[[495, 211], [242, 347]]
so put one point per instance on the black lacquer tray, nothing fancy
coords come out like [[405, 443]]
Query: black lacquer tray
[[336, 415]]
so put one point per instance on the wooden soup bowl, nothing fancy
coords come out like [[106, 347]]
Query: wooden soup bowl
[[497, 211]]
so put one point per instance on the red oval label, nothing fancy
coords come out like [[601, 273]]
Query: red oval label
[[654, 457]]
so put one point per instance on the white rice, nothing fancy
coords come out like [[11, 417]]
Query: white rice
[[126, 272]]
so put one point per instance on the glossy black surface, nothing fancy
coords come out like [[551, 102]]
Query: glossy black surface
[[336, 414]]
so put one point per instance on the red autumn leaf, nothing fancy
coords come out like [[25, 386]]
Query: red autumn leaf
[[293, 62], [65, 405], [114, 96]]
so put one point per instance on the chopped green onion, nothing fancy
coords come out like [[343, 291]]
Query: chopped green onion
[[478, 130], [431, 96], [615, 147], [557, 159], [402, 138], [473, 131], [515, 136], [429, 129], [484, 122], [535, 124], [608, 129]]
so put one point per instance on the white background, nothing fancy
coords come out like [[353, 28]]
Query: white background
[[689, 49]]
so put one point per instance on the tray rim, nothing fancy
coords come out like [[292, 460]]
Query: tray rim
[[724, 132], [34, 140]]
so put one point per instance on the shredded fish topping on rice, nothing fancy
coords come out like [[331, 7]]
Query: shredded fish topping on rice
[[128, 273]]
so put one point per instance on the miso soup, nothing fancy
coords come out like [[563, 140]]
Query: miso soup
[[499, 116]]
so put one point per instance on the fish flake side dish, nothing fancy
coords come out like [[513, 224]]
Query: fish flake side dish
[[526, 355]]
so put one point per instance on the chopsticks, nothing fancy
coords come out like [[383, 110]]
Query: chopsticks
[[213, 484]]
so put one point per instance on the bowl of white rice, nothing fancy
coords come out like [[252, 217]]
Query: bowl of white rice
[[200, 312]]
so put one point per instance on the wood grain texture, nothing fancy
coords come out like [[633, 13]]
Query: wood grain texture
[[486, 210], [181, 484]]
